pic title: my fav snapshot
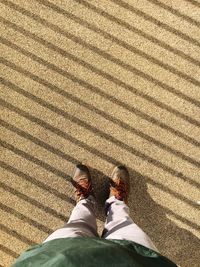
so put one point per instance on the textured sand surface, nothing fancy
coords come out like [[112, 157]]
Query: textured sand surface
[[100, 82]]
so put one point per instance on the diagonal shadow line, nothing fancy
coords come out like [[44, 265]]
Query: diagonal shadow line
[[93, 69], [78, 143], [15, 234], [157, 22], [9, 168], [163, 188], [24, 218], [193, 2], [97, 91], [9, 251], [36, 182], [184, 220], [120, 42], [33, 201], [103, 114], [124, 125], [35, 160], [102, 135], [175, 12], [58, 152], [30, 242], [102, 93], [180, 218], [108, 56], [130, 27], [38, 142], [53, 150], [91, 87]]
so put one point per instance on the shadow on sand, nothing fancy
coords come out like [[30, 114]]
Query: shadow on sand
[[172, 241]]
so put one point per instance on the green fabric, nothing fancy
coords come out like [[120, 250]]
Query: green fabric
[[77, 252]]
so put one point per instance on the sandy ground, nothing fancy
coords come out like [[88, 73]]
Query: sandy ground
[[103, 83]]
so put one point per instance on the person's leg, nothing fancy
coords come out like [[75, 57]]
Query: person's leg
[[82, 222], [119, 225]]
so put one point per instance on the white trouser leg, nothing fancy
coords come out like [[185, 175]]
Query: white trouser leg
[[82, 222], [120, 226]]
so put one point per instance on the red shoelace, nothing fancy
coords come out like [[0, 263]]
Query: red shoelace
[[119, 190], [83, 188]]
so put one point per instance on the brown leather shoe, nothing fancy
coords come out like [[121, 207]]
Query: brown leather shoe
[[120, 183], [82, 182]]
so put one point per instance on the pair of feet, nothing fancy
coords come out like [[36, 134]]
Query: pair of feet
[[119, 183]]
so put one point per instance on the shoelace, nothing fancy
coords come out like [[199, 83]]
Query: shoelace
[[119, 190], [83, 187]]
